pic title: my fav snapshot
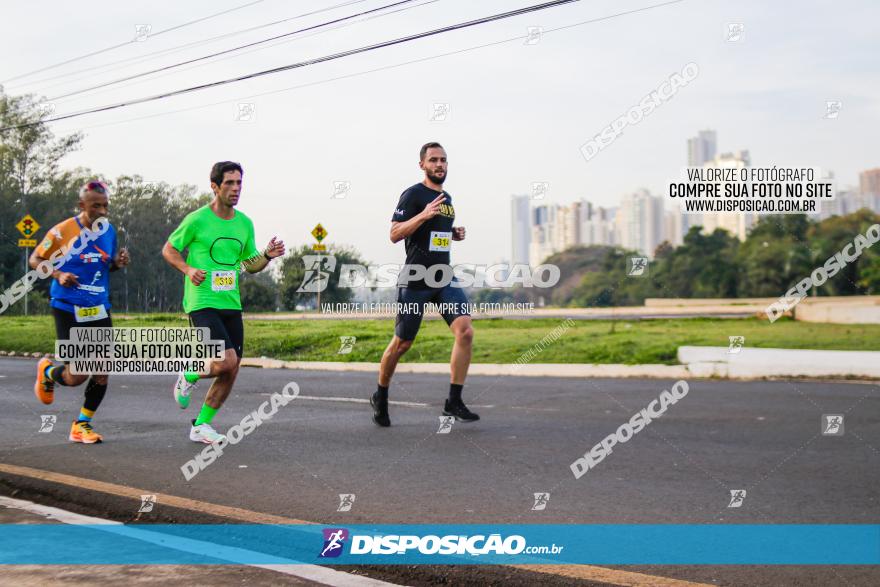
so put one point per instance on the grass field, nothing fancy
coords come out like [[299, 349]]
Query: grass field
[[496, 340]]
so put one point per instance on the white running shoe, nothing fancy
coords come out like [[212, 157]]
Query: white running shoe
[[182, 389], [205, 433]]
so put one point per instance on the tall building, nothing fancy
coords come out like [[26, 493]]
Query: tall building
[[701, 148], [846, 201], [673, 227], [736, 223], [869, 182], [640, 222], [597, 225], [544, 229], [520, 229], [568, 234]]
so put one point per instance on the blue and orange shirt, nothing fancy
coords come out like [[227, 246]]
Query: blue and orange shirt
[[91, 265]]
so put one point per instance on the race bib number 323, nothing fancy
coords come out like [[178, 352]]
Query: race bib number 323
[[440, 241], [222, 280]]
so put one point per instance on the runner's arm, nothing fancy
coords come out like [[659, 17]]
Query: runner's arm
[[274, 249], [35, 259], [401, 230], [173, 257]]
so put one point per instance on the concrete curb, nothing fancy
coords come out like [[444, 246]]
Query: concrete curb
[[698, 363], [530, 370], [752, 363]]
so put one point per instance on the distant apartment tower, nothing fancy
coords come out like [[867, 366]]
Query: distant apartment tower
[[569, 218], [640, 222], [846, 201], [701, 148], [869, 182], [597, 225], [544, 227], [869, 189], [736, 223], [520, 229], [554, 229], [673, 227]]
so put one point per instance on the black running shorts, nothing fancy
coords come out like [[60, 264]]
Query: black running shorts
[[451, 301], [64, 321], [225, 325]]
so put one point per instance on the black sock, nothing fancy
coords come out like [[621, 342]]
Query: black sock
[[381, 392], [56, 374], [455, 392], [94, 395]]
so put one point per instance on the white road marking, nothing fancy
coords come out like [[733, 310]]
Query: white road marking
[[315, 573], [356, 400]]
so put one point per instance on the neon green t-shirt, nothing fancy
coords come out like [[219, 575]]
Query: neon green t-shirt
[[218, 247]]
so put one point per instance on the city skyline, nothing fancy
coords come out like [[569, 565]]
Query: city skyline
[[641, 220], [360, 122]]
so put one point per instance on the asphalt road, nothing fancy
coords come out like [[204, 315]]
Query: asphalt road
[[763, 437]]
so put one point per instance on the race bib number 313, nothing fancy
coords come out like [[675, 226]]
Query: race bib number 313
[[222, 280], [440, 241]]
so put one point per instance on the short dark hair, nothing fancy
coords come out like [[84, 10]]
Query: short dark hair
[[427, 146], [220, 169]]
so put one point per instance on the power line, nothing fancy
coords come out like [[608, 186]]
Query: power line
[[234, 49], [384, 67], [334, 56], [312, 34], [148, 56], [106, 49]]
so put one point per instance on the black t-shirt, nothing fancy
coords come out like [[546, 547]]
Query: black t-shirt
[[430, 243]]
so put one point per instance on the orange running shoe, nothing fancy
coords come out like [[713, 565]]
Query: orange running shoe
[[44, 388], [82, 432]]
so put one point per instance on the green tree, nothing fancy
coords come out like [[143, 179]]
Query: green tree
[[705, 266], [293, 272], [144, 215], [259, 292], [859, 277], [30, 182], [609, 283], [775, 255]]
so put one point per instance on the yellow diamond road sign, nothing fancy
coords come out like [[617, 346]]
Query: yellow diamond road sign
[[28, 227], [319, 233]]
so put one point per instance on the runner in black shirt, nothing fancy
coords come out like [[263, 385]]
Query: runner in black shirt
[[424, 218]]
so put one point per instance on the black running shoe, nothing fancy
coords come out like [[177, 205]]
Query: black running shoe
[[460, 411], [380, 411]]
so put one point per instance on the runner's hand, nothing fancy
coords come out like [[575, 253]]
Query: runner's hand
[[433, 208], [67, 279], [275, 248], [196, 276], [458, 233], [122, 259]]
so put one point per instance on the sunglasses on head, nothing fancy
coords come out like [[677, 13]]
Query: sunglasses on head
[[95, 186]]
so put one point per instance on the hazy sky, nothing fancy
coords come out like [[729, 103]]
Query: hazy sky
[[518, 113]]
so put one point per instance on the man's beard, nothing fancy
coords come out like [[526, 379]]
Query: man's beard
[[436, 179]]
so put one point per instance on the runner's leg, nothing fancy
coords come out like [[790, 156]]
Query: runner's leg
[[459, 321], [233, 327], [409, 319], [461, 349]]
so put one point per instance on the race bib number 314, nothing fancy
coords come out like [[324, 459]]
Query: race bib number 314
[[222, 280], [440, 241]]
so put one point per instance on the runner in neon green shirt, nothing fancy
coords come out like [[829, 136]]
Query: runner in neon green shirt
[[218, 247], [220, 241]]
